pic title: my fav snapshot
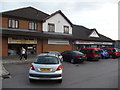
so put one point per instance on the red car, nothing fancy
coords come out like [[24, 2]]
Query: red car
[[113, 52], [92, 53]]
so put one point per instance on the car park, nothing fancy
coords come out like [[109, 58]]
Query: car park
[[46, 67], [73, 56], [91, 53]]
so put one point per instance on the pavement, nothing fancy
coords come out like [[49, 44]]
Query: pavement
[[16, 59], [12, 60]]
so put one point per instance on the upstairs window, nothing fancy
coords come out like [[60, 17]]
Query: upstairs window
[[13, 23], [32, 25], [66, 29], [51, 27]]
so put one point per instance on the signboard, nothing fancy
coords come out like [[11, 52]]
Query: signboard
[[12, 40], [63, 42], [90, 42]]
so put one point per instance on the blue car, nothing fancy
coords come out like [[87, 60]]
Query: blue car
[[104, 54]]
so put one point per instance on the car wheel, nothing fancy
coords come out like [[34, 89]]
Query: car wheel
[[102, 57], [113, 56], [72, 61], [60, 81]]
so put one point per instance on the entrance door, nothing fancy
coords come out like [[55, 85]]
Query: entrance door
[[14, 49]]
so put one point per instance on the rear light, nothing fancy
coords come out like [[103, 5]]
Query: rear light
[[59, 68], [78, 56], [32, 67]]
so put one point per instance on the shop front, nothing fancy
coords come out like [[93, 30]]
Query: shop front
[[91, 44], [59, 45], [15, 44]]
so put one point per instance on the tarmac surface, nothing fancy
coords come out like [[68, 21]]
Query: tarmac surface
[[12, 60], [90, 74]]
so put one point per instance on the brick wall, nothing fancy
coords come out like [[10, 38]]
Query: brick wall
[[55, 47], [4, 46], [23, 24], [4, 22], [39, 46]]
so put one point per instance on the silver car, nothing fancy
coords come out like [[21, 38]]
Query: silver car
[[46, 67]]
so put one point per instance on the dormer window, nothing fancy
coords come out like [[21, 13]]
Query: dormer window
[[51, 27], [13, 23], [32, 25], [66, 29], [94, 34]]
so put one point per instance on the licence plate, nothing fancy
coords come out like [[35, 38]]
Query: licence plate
[[45, 69]]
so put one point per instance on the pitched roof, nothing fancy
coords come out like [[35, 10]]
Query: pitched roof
[[59, 11], [82, 33], [26, 13]]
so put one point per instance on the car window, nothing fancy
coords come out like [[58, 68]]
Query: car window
[[46, 60], [97, 51], [114, 50], [89, 51], [109, 50], [65, 52]]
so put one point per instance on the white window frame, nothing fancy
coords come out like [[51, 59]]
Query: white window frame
[[66, 29], [32, 25], [51, 27], [12, 23]]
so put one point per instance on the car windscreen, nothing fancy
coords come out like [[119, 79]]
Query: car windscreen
[[46, 60], [77, 53], [53, 52]]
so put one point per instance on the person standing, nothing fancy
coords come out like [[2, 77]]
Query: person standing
[[23, 53]]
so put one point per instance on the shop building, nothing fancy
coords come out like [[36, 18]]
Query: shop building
[[39, 32], [86, 38], [35, 30]]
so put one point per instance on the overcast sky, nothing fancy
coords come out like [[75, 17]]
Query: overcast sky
[[99, 14]]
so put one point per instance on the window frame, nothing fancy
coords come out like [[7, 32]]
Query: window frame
[[13, 23], [32, 25], [53, 27], [66, 27]]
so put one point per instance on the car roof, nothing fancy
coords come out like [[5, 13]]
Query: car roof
[[48, 54], [52, 52], [91, 48]]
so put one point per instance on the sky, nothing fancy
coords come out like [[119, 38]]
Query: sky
[[99, 14]]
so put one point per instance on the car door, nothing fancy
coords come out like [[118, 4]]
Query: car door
[[65, 55], [69, 56]]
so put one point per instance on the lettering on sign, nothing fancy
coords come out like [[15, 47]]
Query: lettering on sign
[[21, 41]]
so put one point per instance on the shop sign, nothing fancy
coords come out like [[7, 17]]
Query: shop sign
[[21, 41], [53, 41], [98, 43]]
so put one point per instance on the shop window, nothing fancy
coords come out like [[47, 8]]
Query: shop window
[[51, 27], [13, 23], [32, 25], [66, 29]]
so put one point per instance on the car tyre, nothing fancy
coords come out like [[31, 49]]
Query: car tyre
[[31, 80], [60, 81]]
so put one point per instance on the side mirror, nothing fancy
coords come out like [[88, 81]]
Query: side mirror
[[61, 60]]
